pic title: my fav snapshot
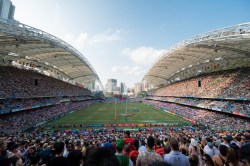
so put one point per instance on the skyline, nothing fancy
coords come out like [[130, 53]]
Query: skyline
[[122, 39]]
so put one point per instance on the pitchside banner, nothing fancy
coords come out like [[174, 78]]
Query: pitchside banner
[[239, 114], [127, 124], [97, 125], [189, 120], [124, 125], [136, 125]]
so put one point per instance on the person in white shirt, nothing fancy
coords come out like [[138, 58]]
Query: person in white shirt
[[210, 149], [142, 148], [176, 158]]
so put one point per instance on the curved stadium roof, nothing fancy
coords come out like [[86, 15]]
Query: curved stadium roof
[[23, 45], [221, 49]]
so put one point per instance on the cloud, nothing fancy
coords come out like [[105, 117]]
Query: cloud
[[77, 41], [84, 38], [107, 36], [142, 55], [135, 70]]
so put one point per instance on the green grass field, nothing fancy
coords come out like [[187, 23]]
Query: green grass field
[[103, 113]]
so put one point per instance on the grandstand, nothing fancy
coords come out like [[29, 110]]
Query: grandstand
[[26, 47], [41, 77], [218, 50], [210, 74]]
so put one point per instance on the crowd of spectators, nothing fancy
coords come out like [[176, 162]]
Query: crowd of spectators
[[214, 120], [18, 83], [223, 84], [79, 98], [224, 142], [230, 106], [159, 147], [9, 104], [28, 103], [19, 121]]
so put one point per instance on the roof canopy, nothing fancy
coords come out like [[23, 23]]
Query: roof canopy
[[222, 49], [24, 46]]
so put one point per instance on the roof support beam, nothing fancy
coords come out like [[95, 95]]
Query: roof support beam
[[158, 77], [83, 76]]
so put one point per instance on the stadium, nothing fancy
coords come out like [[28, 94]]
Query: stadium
[[200, 94]]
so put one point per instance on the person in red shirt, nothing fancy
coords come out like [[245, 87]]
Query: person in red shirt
[[159, 149], [134, 153], [128, 140]]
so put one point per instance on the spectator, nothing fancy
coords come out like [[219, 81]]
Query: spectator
[[123, 159], [226, 141], [232, 158], [193, 160], [46, 154], [149, 156], [193, 148], [210, 149], [207, 160], [221, 159], [101, 157], [109, 146], [75, 157], [14, 155], [34, 160], [128, 140], [245, 154], [59, 160], [175, 157], [142, 148], [159, 163], [167, 149], [134, 153], [31, 152], [3, 153], [159, 149], [247, 138], [16, 161], [126, 149]]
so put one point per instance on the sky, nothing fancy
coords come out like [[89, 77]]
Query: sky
[[122, 38]]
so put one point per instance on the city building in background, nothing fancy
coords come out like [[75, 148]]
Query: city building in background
[[122, 88], [145, 86], [7, 10], [138, 88], [111, 85], [141, 89], [113, 88]]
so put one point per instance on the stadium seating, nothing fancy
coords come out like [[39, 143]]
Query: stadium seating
[[20, 121], [237, 107], [18, 83], [225, 84], [214, 120], [28, 98]]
